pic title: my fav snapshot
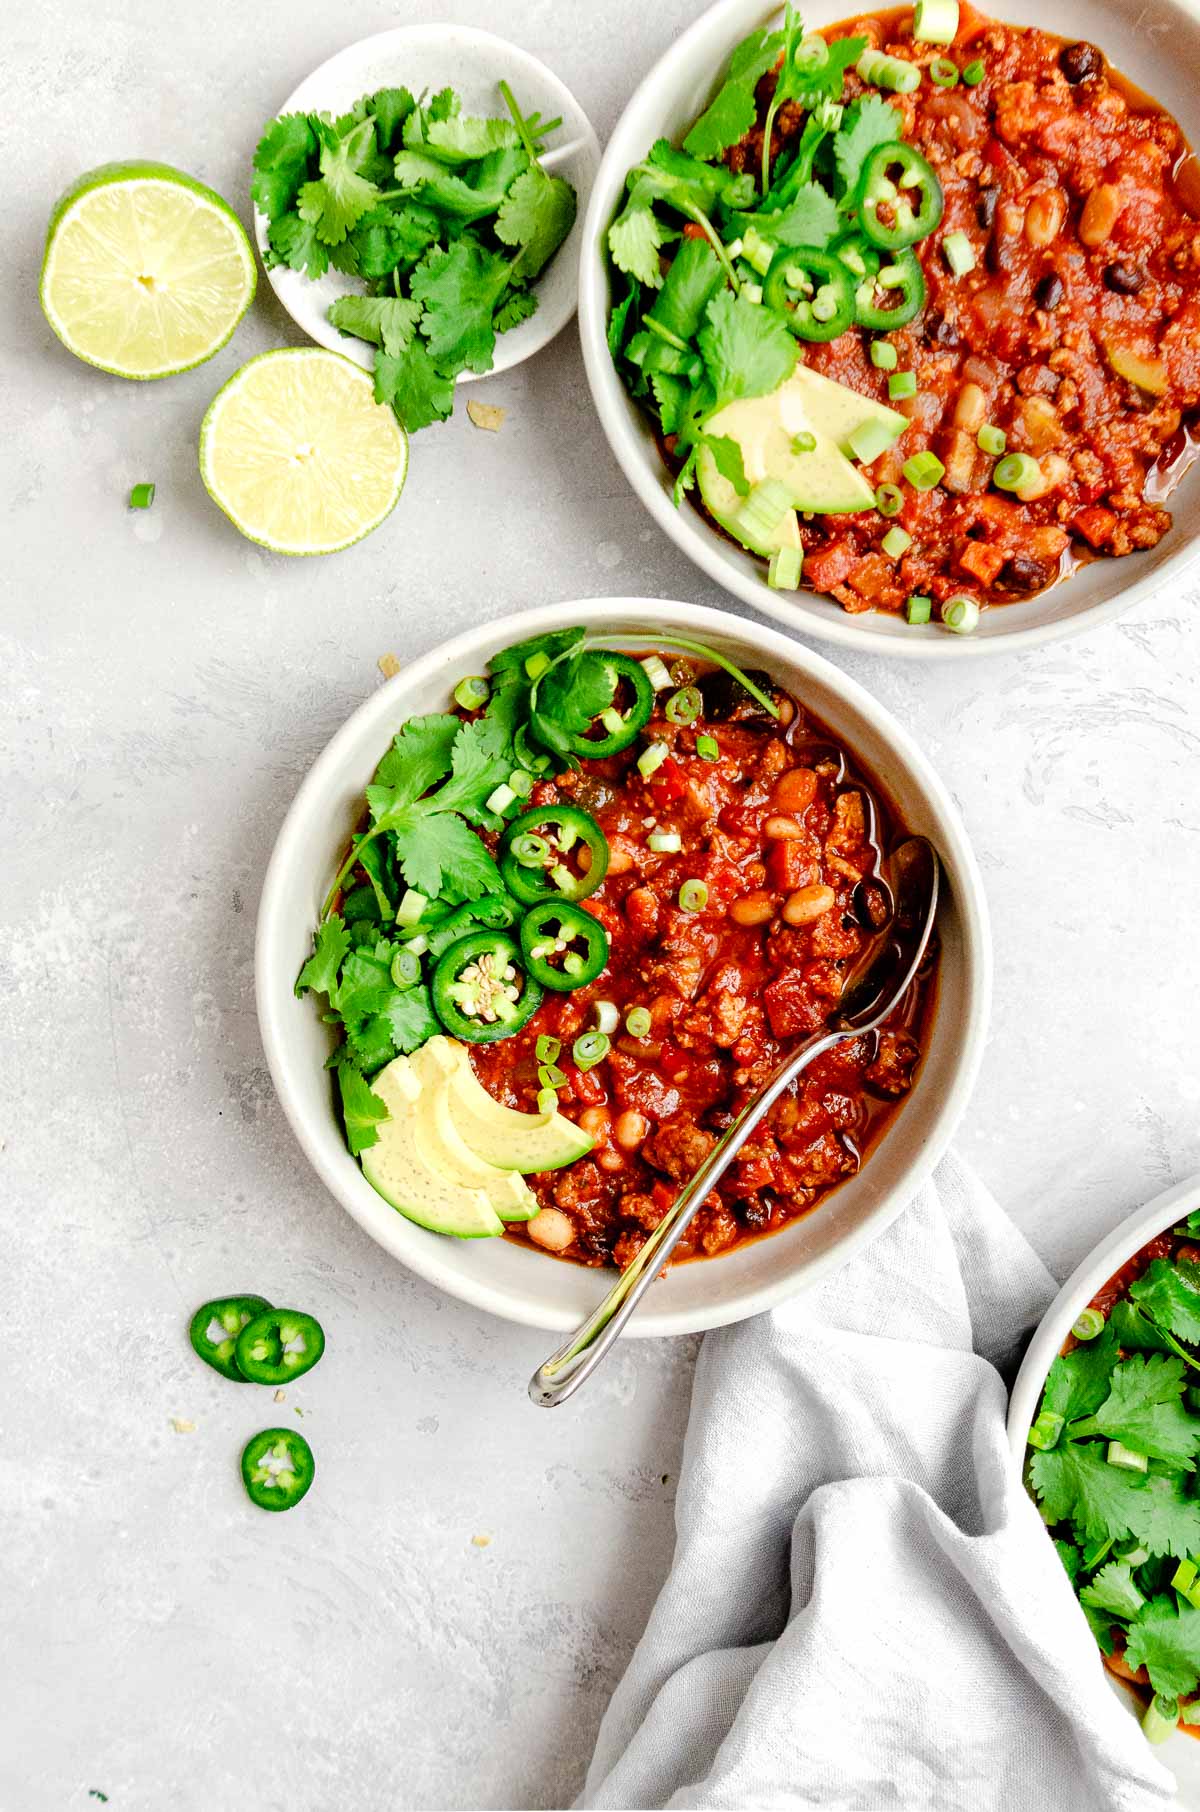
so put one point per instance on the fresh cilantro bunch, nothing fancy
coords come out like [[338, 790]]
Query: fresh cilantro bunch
[[447, 219], [1113, 1456]]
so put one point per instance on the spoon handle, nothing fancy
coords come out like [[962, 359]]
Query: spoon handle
[[562, 1374]]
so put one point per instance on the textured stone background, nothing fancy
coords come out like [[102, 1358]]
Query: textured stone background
[[166, 686]]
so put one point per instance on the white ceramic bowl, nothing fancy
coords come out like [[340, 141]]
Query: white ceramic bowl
[[515, 1281], [1158, 46], [430, 57], [1182, 1755]]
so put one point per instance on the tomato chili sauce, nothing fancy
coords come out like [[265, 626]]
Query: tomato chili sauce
[[786, 834], [1077, 333]]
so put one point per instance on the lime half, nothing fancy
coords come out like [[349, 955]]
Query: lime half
[[146, 272], [298, 453]]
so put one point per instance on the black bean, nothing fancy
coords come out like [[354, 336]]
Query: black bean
[[985, 207], [939, 331], [726, 701], [1049, 292], [1024, 573], [1126, 279], [1080, 62]]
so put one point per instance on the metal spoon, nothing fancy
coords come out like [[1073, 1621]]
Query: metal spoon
[[877, 982]]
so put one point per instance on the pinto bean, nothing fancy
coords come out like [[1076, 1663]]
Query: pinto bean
[[1044, 217], [1100, 213], [753, 909], [794, 790], [630, 1129], [782, 830], [594, 1120], [970, 409], [808, 904], [552, 1229]]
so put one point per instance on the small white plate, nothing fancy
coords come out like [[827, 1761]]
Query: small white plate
[[429, 57]]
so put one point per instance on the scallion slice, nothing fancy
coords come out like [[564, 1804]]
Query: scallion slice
[[891, 73], [530, 851], [684, 706], [1046, 1430], [406, 967], [547, 1101], [550, 1076], [869, 439], [536, 665], [959, 253], [655, 669], [1088, 1324], [923, 470], [707, 747], [608, 1016], [563, 879], [1184, 1576], [500, 798], [418, 945], [411, 906], [896, 542], [784, 569], [918, 609], [638, 1022], [901, 384], [1125, 1457], [651, 759], [961, 615], [991, 439], [1160, 1718], [471, 692], [889, 499], [693, 896], [804, 442], [589, 1049], [943, 73], [664, 843], [547, 1049], [935, 21], [1015, 472], [974, 73], [883, 355], [141, 497]]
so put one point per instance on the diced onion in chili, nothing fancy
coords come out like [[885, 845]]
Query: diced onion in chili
[[501, 798], [708, 748], [935, 21], [892, 73], [608, 1016], [664, 843], [883, 355], [869, 440], [589, 1048], [923, 470], [684, 706], [991, 439], [1046, 1430], [918, 609], [471, 692], [1089, 1323], [804, 442], [638, 1022], [547, 1101], [521, 783], [651, 758], [406, 967], [889, 499], [784, 569], [141, 497], [530, 851], [656, 672], [1015, 472], [411, 906], [961, 615], [547, 1049], [959, 253], [974, 73], [1125, 1457], [902, 384], [536, 665], [896, 542], [943, 72], [550, 1076], [693, 896], [1160, 1718]]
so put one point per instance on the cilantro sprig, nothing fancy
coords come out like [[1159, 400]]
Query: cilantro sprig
[[447, 219]]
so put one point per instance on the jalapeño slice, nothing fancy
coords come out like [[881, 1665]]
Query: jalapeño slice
[[215, 1328], [277, 1468], [564, 946], [899, 198], [813, 290], [279, 1345], [892, 295], [481, 989], [617, 728], [539, 854]]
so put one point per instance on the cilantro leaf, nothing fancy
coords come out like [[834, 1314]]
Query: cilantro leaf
[[411, 1019], [463, 139], [1078, 1382], [725, 121], [391, 238], [1101, 1626], [475, 771], [691, 283], [294, 242], [458, 290], [362, 1110], [342, 195], [389, 108], [387, 321], [281, 163], [868, 123], [1134, 1331], [1071, 1558], [748, 350], [1171, 1294], [441, 855], [552, 644], [464, 197], [1113, 1589], [365, 983], [635, 240], [1074, 1481], [373, 858], [619, 319], [1144, 1410], [537, 214], [330, 946], [573, 693], [671, 394], [370, 1045], [515, 306], [413, 385], [811, 218], [1165, 1640], [419, 757], [728, 455]]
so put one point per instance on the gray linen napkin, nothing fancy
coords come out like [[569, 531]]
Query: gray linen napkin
[[863, 1609]]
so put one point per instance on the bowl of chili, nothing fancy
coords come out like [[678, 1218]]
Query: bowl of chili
[[1047, 361], [759, 1264]]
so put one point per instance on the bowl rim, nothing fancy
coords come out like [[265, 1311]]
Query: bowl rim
[[545, 325], [377, 718], [1089, 1275], [808, 616]]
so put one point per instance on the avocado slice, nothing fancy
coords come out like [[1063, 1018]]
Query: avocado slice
[[838, 411], [504, 1137], [447, 1152], [397, 1168], [821, 480], [722, 502]]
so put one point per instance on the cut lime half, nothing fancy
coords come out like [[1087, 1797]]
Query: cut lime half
[[146, 272], [298, 453]]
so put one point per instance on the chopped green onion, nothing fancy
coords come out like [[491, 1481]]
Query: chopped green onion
[[869, 439], [681, 673], [500, 798], [896, 542], [521, 783], [1015, 472], [892, 73], [943, 72], [753, 292], [651, 758], [959, 253], [935, 21], [684, 706], [664, 843], [547, 1049], [812, 52], [418, 945], [1184, 1576], [411, 907], [1124, 1457], [804, 442], [562, 877], [974, 73], [889, 499], [784, 569], [547, 1101], [406, 967], [757, 252], [530, 851], [733, 250], [654, 667], [550, 1076], [1160, 1718], [638, 1022], [828, 114], [707, 747], [919, 609], [141, 497], [589, 1048], [961, 615], [1046, 1430], [763, 511], [693, 896], [1089, 1323], [608, 1016], [902, 383], [883, 355], [536, 665], [923, 470], [991, 440], [472, 692]]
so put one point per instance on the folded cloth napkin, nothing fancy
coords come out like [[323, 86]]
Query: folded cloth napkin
[[864, 1610]]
